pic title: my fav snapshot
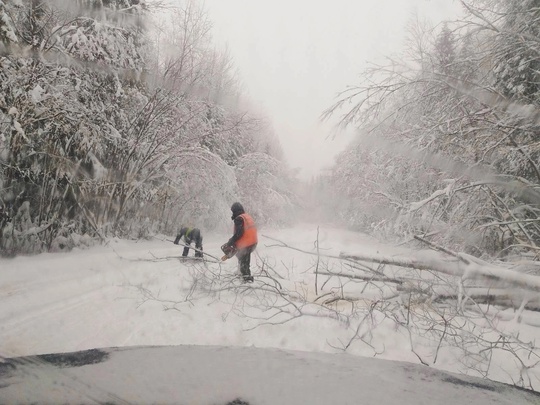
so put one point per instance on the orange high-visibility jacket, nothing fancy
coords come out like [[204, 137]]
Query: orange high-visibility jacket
[[249, 237]]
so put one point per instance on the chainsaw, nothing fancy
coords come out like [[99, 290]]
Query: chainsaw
[[229, 251]]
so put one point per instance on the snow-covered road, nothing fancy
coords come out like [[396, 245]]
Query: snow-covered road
[[98, 297]]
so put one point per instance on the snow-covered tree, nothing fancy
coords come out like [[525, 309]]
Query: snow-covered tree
[[265, 188], [96, 139], [478, 146], [56, 132], [7, 29], [516, 63], [445, 51]]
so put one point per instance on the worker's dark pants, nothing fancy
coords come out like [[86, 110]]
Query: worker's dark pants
[[244, 260], [195, 236]]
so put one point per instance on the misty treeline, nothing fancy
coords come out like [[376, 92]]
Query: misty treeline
[[449, 145], [120, 118]]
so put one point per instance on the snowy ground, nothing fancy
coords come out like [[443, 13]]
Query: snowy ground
[[96, 298], [138, 293]]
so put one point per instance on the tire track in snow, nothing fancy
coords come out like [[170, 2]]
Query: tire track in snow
[[15, 321]]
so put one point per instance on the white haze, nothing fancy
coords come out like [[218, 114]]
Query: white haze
[[294, 57]]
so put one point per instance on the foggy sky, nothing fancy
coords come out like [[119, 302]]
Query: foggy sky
[[294, 56]]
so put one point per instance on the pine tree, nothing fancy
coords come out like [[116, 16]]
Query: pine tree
[[445, 51], [517, 51]]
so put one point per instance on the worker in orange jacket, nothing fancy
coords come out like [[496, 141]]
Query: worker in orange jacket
[[244, 240]]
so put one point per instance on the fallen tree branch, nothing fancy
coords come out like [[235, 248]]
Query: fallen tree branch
[[441, 248], [283, 244], [34, 230], [364, 278], [456, 268], [195, 249]]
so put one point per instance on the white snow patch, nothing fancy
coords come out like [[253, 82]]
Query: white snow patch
[[36, 94]]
